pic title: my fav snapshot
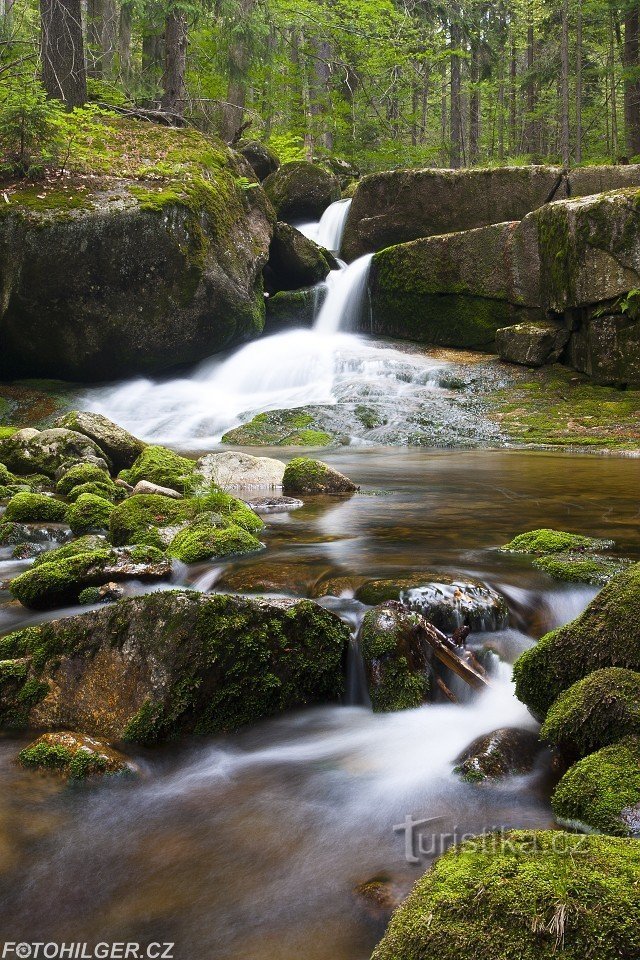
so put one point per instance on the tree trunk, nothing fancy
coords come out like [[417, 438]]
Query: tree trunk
[[530, 124], [109, 36], [612, 89], [456, 105], [125, 30], [513, 99], [321, 93], [565, 146], [62, 50], [232, 113], [579, 82], [94, 22], [474, 107], [175, 61], [632, 81]]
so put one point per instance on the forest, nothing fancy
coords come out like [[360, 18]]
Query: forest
[[379, 83]]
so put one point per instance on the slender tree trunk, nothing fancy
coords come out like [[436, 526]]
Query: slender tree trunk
[[444, 112], [125, 31], [109, 36], [530, 124], [456, 104], [239, 59], [474, 107], [62, 50], [612, 89], [632, 80], [565, 146], [425, 104], [94, 21], [501, 117], [579, 82], [175, 62], [321, 94]]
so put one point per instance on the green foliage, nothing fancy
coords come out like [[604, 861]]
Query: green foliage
[[30, 134], [288, 147]]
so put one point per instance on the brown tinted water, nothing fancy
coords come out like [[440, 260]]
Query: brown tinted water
[[249, 846]]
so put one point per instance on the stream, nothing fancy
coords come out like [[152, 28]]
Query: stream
[[248, 847]]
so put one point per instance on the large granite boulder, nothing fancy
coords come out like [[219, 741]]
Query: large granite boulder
[[531, 344], [261, 158], [294, 260], [241, 471], [402, 205], [49, 451], [154, 667], [301, 191], [133, 274], [120, 446]]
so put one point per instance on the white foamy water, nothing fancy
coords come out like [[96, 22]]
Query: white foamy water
[[329, 231]]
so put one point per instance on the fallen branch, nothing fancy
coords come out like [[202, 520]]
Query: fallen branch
[[444, 651]]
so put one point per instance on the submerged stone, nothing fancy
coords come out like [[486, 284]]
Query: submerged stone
[[396, 658], [75, 756], [312, 477], [502, 753]]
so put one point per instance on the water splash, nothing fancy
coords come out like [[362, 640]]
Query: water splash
[[329, 231], [346, 299]]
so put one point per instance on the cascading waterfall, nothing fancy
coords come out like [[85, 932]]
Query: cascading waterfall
[[329, 231], [287, 370]]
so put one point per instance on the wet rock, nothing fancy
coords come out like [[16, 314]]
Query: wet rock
[[16, 533], [27, 551], [501, 753], [292, 579], [261, 158], [120, 446], [380, 896], [294, 260], [46, 451], [164, 467], [241, 471], [79, 475], [292, 308], [59, 576], [107, 593], [75, 756], [445, 602], [307, 476], [301, 191], [89, 514], [531, 344], [148, 668], [211, 537], [274, 504], [396, 658], [34, 508], [476, 900], [297, 427], [569, 556], [544, 541], [601, 792], [145, 486], [401, 205], [594, 712], [605, 635]]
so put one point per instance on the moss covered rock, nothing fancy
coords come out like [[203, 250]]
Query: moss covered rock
[[120, 446], [546, 541], [498, 754], [89, 514], [601, 792], [291, 308], [33, 451], [34, 508], [165, 248], [594, 712], [531, 344], [530, 895], [75, 756], [396, 658], [301, 191], [307, 476], [605, 635], [260, 157], [80, 474], [60, 576], [294, 260], [108, 491], [204, 539], [280, 428], [164, 467], [169, 663], [148, 518], [403, 205]]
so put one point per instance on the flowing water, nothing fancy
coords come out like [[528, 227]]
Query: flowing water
[[250, 846], [328, 232]]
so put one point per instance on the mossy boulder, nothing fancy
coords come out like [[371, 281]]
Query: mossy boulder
[[164, 467], [601, 792], [294, 260], [260, 157], [48, 451], [453, 290], [75, 756], [204, 539], [546, 541], [403, 205], [594, 712], [230, 509], [148, 518], [170, 663], [80, 474], [396, 658], [569, 556], [301, 191], [121, 447], [578, 568], [280, 428], [108, 491], [530, 895], [90, 513], [605, 635], [164, 246], [501, 753], [291, 308], [531, 344], [60, 576], [306, 476], [35, 508], [445, 601]]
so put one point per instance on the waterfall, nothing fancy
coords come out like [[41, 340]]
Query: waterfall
[[328, 232], [345, 299]]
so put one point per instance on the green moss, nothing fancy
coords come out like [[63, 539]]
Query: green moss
[[164, 467], [107, 491], [6, 432], [576, 568], [596, 791], [59, 580], [72, 755], [35, 508], [6, 477], [80, 474], [594, 712], [304, 475], [530, 895], [89, 596], [89, 513], [280, 428], [86, 544], [600, 637], [230, 509], [11, 534], [394, 661], [202, 541], [140, 518], [546, 541]]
